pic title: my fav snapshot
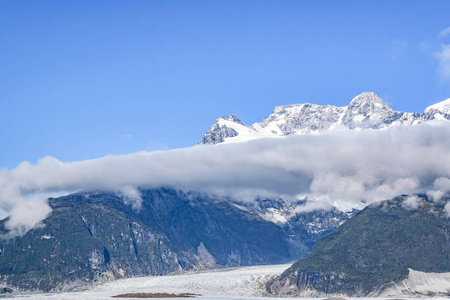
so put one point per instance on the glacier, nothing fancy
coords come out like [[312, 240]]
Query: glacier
[[236, 283]]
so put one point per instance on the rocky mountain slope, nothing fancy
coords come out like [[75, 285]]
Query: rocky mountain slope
[[302, 221], [374, 251], [366, 111], [95, 236]]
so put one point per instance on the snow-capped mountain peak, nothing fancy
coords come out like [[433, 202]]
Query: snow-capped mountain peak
[[365, 111], [443, 107], [232, 118], [368, 102]]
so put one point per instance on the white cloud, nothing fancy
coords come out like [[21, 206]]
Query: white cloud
[[435, 195], [344, 187], [441, 186], [399, 186], [131, 196], [3, 214], [447, 209], [155, 146], [411, 202], [310, 206], [440, 50], [342, 167], [445, 32], [443, 57]]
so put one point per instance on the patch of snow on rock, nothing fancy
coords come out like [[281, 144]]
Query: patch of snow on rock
[[421, 283]]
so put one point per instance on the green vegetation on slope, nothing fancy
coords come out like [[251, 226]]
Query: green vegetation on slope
[[96, 236], [373, 249]]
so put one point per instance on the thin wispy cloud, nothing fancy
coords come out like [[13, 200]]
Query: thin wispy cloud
[[444, 32], [443, 57], [399, 47], [156, 146], [439, 49], [344, 167]]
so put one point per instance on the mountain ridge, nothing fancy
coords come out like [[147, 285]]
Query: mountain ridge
[[374, 251], [365, 111], [95, 236]]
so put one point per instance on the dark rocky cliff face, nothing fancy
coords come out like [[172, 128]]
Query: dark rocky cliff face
[[95, 236], [85, 240], [372, 250]]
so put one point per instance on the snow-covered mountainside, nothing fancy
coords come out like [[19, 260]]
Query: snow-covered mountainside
[[303, 222], [366, 111]]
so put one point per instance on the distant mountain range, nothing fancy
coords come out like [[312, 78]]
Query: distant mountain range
[[95, 236], [365, 111]]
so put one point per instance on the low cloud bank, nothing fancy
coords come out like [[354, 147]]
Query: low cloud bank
[[345, 168]]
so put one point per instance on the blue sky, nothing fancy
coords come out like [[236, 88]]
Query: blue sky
[[85, 79]]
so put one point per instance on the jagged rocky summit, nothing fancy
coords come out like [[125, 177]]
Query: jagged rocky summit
[[381, 250], [366, 111], [95, 236]]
